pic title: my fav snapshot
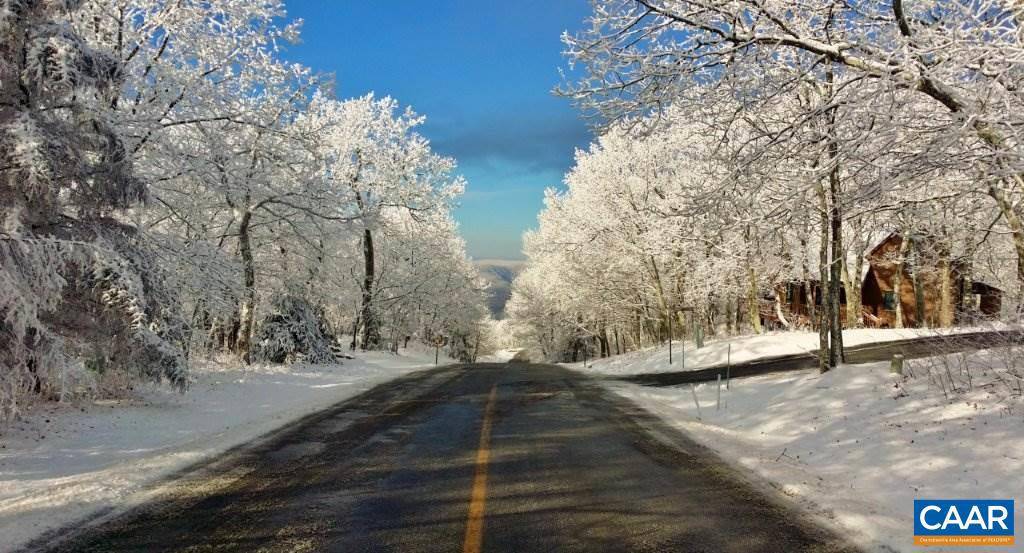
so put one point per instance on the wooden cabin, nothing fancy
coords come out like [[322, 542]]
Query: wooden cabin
[[793, 298], [879, 296], [985, 299]]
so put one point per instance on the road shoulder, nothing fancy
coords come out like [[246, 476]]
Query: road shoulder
[[217, 468], [669, 444], [854, 447]]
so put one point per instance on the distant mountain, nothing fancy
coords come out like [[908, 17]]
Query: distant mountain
[[499, 274]]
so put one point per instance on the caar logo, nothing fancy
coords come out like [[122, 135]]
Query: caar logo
[[963, 522]]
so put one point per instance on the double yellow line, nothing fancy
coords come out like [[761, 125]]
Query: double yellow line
[[478, 499]]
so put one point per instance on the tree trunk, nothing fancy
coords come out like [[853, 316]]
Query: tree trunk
[[897, 279], [663, 309], [698, 320], [606, 350], [730, 315], [753, 306], [787, 261], [1016, 225], [655, 331], [945, 286], [737, 312], [806, 284], [247, 308], [476, 345], [779, 313], [964, 310], [639, 332], [712, 316], [852, 297], [917, 284], [836, 352], [854, 294], [371, 324], [355, 332], [919, 308], [231, 336], [824, 316]]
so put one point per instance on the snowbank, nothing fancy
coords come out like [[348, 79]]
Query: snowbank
[[747, 348], [501, 356], [62, 463], [858, 449]]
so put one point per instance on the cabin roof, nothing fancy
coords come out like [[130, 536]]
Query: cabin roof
[[876, 257], [875, 251]]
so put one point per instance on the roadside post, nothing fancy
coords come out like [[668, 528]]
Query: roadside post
[[682, 343], [438, 342], [682, 354], [728, 363], [718, 401], [896, 365]]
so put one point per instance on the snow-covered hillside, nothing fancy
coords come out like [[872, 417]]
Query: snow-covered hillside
[[857, 445], [749, 348], [63, 462], [499, 274]]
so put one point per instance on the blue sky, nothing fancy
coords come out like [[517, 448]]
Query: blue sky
[[482, 73]]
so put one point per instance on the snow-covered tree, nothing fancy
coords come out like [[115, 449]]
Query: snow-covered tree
[[171, 184], [946, 73], [387, 176], [77, 282]]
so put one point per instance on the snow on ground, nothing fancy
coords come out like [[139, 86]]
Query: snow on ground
[[858, 449], [502, 356], [747, 348], [62, 463]]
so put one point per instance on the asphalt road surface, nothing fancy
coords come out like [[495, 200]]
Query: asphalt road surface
[[512, 457]]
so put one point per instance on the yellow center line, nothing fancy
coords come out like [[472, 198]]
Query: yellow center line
[[475, 523]]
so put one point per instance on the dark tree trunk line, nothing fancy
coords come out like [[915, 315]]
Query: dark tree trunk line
[[371, 324], [247, 309], [836, 353], [824, 315], [371, 320], [753, 308]]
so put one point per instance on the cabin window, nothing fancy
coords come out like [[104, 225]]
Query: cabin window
[[889, 300]]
